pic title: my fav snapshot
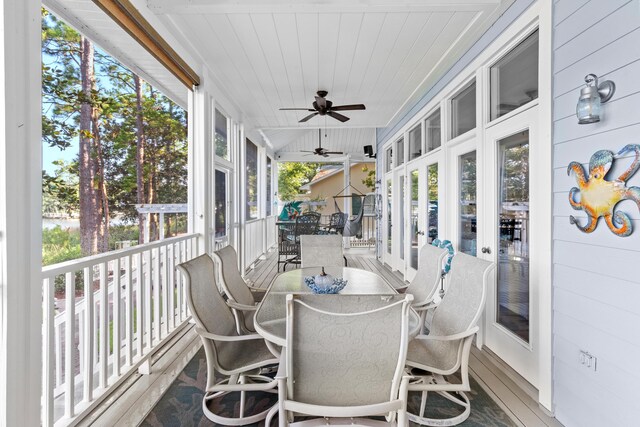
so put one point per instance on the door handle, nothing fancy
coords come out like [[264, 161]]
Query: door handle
[[420, 233], [486, 250]]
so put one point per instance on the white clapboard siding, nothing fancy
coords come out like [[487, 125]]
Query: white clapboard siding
[[596, 279]]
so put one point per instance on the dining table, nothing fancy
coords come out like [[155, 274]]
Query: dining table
[[270, 317]]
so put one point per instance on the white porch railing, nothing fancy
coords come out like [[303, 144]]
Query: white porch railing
[[254, 238], [131, 301], [272, 232]]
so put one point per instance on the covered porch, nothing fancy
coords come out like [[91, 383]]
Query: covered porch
[[470, 121]]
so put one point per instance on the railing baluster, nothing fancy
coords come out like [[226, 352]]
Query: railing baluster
[[89, 334], [129, 311], [164, 280], [70, 338], [147, 301], [104, 327], [116, 317], [48, 350], [139, 305], [181, 252], [171, 285], [155, 253], [58, 345]]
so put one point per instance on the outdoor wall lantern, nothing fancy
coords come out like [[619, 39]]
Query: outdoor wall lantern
[[592, 96]]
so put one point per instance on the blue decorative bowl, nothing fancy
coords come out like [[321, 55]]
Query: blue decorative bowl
[[337, 286]]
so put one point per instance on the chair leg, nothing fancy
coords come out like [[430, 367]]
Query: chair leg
[[266, 384], [431, 381]]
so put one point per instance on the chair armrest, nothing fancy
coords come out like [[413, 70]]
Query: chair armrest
[[454, 337], [258, 293], [401, 289], [424, 306], [227, 338], [242, 307], [282, 367]]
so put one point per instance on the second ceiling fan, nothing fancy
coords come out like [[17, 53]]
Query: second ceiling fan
[[324, 107]]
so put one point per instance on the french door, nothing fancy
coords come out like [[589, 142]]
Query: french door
[[399, 221], [422, 208], [509, 234], [416, 221]]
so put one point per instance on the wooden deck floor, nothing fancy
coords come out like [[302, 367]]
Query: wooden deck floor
[[510, 391]]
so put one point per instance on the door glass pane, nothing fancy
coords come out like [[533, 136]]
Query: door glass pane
[[514, 78], [389, 208], [221, 135], [513, 256], [389, 159], [401, 214], [399, 152], [415, 191], [221, 204], [415, 143], [251, 180], [468, 208], [269, 190], [432, 130], [463, 111], [432, 192]]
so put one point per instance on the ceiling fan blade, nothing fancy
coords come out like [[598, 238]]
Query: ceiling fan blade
[[304, 119], [348, 107], [322, 103], [296, 109], [307, 151], [338, 116], [333, 152]]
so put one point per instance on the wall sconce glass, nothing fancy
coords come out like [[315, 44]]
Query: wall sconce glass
[[592, 97]]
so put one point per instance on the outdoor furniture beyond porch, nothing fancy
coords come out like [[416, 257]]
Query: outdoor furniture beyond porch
[[321, 251], [320, 375], [445, 351], [239, 357], [289, 238]]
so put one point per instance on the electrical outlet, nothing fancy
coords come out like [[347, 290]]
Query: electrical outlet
[[588, 360]]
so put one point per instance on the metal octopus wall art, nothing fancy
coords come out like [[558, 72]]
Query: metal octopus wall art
[[599, 196]]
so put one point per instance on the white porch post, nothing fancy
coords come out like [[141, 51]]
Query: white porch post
[[20, 215], [347, 192], [200, 167], [241, 170]]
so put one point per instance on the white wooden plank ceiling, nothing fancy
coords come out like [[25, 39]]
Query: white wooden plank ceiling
[[278, 53], [267, 54]]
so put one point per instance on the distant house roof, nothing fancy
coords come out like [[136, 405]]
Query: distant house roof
[[324, 172]]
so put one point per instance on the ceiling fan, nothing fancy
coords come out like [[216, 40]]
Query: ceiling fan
[[320, 151], [324, 107]]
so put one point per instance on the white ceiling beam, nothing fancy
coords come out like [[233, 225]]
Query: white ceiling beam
[[313, 6]]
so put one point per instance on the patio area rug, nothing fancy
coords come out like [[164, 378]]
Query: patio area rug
[[181, 405]]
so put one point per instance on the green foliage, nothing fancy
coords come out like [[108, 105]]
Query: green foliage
[[370, 179], [59, 245], [114, 99], [292, 176], [122, 233]]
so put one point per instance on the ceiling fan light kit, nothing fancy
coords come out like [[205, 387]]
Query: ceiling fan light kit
[[324, 107]]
